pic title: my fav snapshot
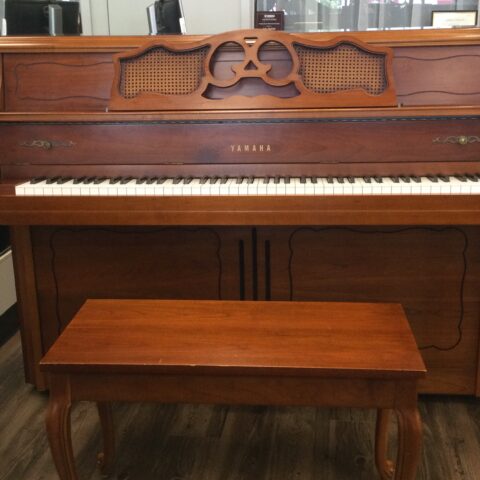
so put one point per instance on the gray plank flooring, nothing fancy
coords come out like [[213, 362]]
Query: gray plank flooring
[[188, 442]]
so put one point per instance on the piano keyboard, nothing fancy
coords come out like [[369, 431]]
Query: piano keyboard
[[467, 184]]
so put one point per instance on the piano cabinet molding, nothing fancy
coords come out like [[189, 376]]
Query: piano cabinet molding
[[57, 82]]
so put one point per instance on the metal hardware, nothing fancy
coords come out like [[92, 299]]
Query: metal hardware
[[460, 140], [47, 144]]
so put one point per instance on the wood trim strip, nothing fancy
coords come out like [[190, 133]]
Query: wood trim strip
[[467, 36], [345, 114], [2, 85], [30, 327]]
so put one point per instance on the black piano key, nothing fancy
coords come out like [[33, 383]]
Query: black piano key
[[187, 180], [99, 180], [314, 180], [444, 178], [367, 179], [340, 180], [113, 180], [36, 180], [266, 180], [213, 180], [433, 178], [286, 179], [276, 180], [329, 179], [224, 180], [462, 178], [125, 180], [204, 180], [303, 180], [416, 179], [395, 179], [239, 180], [79, 180], [161, 180], [251, 179], [52, 180], [378, 179], [151, 180], [351, 179], [405, 179], [141, 180], [471, 177], [63, 180], [89, 180], [177, 180]]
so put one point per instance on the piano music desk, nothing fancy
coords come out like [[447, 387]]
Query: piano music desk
[[229, 352]]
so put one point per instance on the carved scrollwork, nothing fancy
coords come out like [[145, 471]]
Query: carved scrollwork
[[459, 140], [47, 144], [341, 71]]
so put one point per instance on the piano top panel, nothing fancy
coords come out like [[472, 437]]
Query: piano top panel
[[83, 67], [392, 38]]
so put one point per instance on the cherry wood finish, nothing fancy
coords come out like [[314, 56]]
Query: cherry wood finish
[[53, 82], [2, 85], [434, 37], [297, 147], [31, 328], [253, 67], [43, 133], [273, 211], [432, 271], [420, 73], [73, 264], [236, 352]]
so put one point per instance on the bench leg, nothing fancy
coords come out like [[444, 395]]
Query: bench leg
[[105, 458], [385, 467], [409, 443], [58, 427]]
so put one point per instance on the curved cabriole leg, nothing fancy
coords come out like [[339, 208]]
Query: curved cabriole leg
[[105, 458], [58, 428], [409, 444], [384, 466]]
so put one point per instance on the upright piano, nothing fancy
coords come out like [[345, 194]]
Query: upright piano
[[250, 165]]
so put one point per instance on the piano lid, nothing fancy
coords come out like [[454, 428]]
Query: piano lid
[[340, 72]]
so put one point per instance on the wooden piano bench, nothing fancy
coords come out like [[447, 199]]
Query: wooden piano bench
[[228, 352]]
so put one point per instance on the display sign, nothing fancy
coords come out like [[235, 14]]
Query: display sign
[[452, 19], [269, 20]]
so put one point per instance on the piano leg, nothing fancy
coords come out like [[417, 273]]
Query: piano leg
[[385, 467], [409, 444], [105, 458], [58, 428]]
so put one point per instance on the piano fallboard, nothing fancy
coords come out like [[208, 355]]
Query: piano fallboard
[[385, 141]]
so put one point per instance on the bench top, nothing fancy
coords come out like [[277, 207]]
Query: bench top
[[364, 340]]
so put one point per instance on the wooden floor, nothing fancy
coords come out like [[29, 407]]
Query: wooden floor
[[227, 443]]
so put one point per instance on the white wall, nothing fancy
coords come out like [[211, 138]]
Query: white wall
[[129, 17], [7, 282]]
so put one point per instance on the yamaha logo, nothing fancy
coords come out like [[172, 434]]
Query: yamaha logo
[[254, 148]]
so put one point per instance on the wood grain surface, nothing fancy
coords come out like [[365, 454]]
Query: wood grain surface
[[244, 338]]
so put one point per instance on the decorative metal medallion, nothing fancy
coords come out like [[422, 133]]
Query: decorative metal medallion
[[47, 144], [460, 140]]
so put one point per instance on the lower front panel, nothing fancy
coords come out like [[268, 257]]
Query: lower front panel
[[433, 272]]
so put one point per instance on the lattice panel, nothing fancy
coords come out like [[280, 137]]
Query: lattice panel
[[344, 67], [163, 71]]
